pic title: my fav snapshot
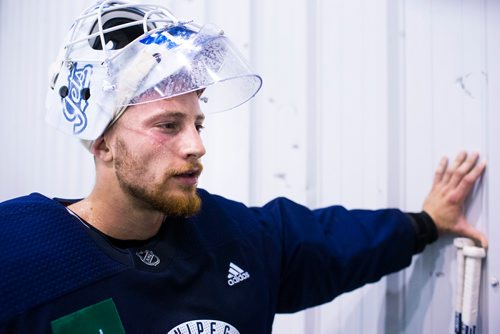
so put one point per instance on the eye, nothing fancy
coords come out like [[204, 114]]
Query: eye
[[169, 126], [199, 127]]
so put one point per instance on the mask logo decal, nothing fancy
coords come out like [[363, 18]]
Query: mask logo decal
[[170, 37], [75, 103]]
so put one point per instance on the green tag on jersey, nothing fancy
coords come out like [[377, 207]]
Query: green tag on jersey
[[100, 318]]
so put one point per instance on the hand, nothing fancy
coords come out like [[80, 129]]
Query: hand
[[445, 202]]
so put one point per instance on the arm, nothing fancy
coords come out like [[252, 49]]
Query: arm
[[451, 186], [325, 252]]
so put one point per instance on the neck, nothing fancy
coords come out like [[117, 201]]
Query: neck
[[116, 215]]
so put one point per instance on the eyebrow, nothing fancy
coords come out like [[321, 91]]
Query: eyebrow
[[177, 115]]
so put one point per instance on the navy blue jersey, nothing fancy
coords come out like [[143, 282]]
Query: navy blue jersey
[[229, 269]]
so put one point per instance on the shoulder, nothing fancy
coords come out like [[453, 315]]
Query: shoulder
[[44, 252], [25, 214], [212, 202], [218, 208], [24, 201], [228, 217], [30, 213], [30, 224], [268, 219]]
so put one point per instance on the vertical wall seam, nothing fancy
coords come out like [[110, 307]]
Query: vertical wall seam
[[313, 130], [485, 300], [252, 191], [396, 167]]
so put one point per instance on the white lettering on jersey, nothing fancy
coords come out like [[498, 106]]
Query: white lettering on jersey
[[204, 327]]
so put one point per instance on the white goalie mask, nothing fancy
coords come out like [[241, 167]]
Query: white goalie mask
[[148, 55]]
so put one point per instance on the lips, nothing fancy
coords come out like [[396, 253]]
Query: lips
[[189, 177], [190, 173]]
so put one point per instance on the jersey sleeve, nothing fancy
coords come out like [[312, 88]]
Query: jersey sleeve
[[329, 251]]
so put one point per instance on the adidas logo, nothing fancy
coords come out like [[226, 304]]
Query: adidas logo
[[236, 274]]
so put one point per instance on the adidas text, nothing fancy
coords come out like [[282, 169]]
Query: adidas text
[[239, 278]]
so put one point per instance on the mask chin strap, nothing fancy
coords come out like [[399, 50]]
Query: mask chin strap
[[87, 144], [117, 114]]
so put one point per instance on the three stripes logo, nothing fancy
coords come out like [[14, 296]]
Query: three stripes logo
[[236, 274]]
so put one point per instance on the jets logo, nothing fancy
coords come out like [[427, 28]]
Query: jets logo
[[75, 97]]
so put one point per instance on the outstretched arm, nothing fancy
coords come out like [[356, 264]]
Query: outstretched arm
[[451, 186]]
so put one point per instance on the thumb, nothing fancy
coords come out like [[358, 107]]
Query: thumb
[[466, 230]]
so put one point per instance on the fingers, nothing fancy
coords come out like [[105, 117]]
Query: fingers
[[472, 233], [459, 160], [467, 182], [483, 240], [451, 186], [461, 175], [440, 171], [463, 168]]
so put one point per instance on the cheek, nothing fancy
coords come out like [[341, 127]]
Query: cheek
[[160, 144], [146, 148], [158, 139], [157, 147]]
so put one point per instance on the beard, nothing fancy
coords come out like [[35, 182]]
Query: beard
[[171, 199]]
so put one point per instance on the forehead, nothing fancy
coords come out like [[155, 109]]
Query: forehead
[[185, 106]]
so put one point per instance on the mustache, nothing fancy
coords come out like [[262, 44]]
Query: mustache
[[192, 169]]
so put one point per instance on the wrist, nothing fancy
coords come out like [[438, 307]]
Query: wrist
[[425, 229]]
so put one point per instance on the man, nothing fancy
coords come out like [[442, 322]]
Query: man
[[148, 252]]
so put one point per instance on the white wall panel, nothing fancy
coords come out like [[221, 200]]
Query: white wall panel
[[491, 291], [444, 111], [279, 120], [352, 122], [37, 158]]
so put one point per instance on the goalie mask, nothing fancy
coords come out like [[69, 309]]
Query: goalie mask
[[120, 53]]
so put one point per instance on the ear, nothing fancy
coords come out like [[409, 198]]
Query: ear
[[101, 150]]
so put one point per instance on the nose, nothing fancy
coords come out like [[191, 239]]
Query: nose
[[192, 144]]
